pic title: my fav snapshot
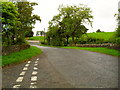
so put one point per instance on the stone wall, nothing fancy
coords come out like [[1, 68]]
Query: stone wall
[[112, 46], [14, 48]]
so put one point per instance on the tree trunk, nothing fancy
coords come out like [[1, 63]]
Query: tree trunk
[[67, 40], [73, 38]]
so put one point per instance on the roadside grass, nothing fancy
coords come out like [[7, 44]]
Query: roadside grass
[[41, 38], [98, 49], [20, 56]]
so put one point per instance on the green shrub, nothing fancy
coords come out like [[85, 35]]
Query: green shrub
[[117, 40]]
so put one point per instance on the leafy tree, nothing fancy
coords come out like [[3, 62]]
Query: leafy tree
[[29, 34], [117, 34], [26, 17], [17, 20], [98, 30], [9, 21], [69, 23]]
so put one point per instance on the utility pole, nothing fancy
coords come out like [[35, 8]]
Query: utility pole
[[44, 35]]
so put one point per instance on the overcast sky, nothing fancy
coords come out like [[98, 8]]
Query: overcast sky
[[102, 10]]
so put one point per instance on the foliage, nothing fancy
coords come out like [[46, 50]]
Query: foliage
[[26, 17], [9, 21], [68, 23], [29, 34], [98, 30], [18, 57], [17, 21], [98, 49], [117, 35]]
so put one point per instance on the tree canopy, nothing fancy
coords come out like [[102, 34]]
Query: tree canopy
[[69, 23], [17, 21]]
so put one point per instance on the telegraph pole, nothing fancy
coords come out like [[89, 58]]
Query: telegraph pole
[[44, 35]]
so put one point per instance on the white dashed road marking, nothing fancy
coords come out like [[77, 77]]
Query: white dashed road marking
[[22, 73], [37, 58], [16, 86], [27, 65], [25, 68], [35, 68], [29, 61], [34, 78], [33, 85], [19, 79], [36, 61], [34, 72], [35, 64]]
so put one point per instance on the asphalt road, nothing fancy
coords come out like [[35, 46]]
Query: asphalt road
[[63, 68]]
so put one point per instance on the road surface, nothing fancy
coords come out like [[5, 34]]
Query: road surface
[[63, 68]]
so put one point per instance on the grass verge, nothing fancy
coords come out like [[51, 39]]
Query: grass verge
[[98, 49], [20, 56], [108, 51]]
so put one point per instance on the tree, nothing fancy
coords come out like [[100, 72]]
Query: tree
[[9, 21], [98, 30], [17, 21], [29, 34], [69, 23], [117, 34], [26, 17]]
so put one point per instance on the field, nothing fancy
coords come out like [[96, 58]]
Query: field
[[41, 38], [100, 35]]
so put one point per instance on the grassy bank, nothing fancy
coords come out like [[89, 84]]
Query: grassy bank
[[20, 56], [98, 49]]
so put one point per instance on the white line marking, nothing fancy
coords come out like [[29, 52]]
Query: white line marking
[[22, 73], [19, 79], [35, 64], [34, 78], [35, 68], [25, 68], [29, 61], [33, 86], [16, 86], [34, 72], [36, 61], [37, 58], [33, 83], [27, 65]]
